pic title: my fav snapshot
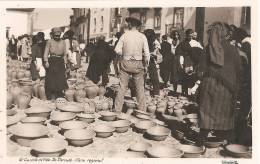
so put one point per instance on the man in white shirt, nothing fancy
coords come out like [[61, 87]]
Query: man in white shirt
[[134, 55]]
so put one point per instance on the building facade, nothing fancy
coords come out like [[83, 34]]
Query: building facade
[[108, 21]]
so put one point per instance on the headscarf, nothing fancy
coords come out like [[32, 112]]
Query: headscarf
[[217, 33]]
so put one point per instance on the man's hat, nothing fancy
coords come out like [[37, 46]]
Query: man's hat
[[133, 21]]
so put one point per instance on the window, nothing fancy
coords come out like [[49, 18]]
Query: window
[[95, 24], [178, 18], [245, 20], [102, 23]]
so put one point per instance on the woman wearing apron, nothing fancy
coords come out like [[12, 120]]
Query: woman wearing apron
[[55, 61]]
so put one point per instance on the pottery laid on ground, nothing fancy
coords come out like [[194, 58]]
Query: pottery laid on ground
[[69, 94], [24, 134], [92, 90], [23, 100], [80, 137], [48, 147], [38, 111]]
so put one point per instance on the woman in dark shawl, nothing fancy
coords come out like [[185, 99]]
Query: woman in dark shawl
[[220, 84], [100, 62]]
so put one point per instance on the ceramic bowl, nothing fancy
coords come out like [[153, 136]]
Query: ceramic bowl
[[124, 116], [12, 120], [68, 125], [60, 103], [73, 108], [48, 147], [191, 151], [213, 142], [238, 151], [162, 151], [158, 122], [38, 111], [134, 121], [140, 146], [158, 133], [24, 134], [130, 104], [107, 115], [142, 126], [121, 125], [143, 117], [136, 112], [104, 131], [59, 117], [179, 135], [88, 118], [192, 116], [11, 112], [79, 137], [37, 120]]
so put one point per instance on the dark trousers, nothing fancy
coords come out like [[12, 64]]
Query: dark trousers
[[154, 76]]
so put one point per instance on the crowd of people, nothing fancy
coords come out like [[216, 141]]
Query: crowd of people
[[216, 75]]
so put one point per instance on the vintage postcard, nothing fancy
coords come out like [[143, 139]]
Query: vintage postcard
[[129, 82]]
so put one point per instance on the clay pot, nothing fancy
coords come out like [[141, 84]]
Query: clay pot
[[27, 74], [35, 90], [23, 100], [101, 91], [151, 108], [105, 105], [27, 88], [9, 100], [20, 75], [91, 91], [15, 91], [41, 92], [79, 95], [69, 94], [13, 75]]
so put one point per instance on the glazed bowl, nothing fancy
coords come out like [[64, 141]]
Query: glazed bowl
[[73, 108], [192, 151], [48, 147], [107, 115], [88, 118], [103, 130], [142, 126], [158, 133], [238, 151], [24, 134], [59, 117], [136, 112], [143, 117], [60, 103], [36, 120], [121, 126], [11, 112], [162, 151], [68, 125], [213, 142], [38, 111], [79, 137], [124, 116], [12, 120], [140, 146]]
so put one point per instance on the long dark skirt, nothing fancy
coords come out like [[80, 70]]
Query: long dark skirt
[[34, 72], [55, 81], [217, 106]]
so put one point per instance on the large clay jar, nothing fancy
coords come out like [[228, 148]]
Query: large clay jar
[[35, 89], [91, 91], [69, 94], [101, 91], [20, 74], [9, 100], [27, 87], [79, 95], [27, 74], [15, 91], [41, 92], [24, 100], [13, 75]]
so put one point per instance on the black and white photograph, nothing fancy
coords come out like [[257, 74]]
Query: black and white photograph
[[129, 82]]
